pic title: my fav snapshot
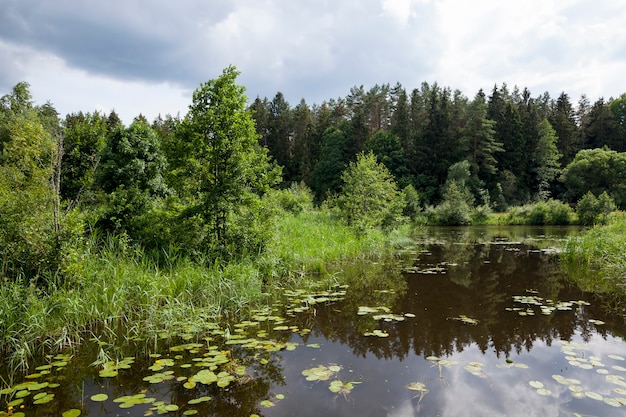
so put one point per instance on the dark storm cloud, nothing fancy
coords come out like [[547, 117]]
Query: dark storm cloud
[[126, 39], [297, 47]]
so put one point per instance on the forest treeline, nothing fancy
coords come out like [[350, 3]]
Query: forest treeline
[[210, 184], [517, 146]]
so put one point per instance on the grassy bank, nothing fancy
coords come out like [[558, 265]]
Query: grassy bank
[[596, 261], [123, 295]]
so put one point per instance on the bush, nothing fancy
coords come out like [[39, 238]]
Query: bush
[[453, 210], [592, 210], [369, 197], [412, 201], [295, 199], [559, 213], [552, 212]]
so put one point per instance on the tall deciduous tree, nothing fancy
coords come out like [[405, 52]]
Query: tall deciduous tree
[[32, 237], [130, 174], [220, 155], [83, 141], [597, 170]]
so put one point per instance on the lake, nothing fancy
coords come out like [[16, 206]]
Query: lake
[[468, 322]]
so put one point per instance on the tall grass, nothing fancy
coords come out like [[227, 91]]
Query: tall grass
[[120, 293], [596, 260]]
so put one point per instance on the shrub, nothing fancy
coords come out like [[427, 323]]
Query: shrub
[[592, 210], [587, 209], [453, 210], [369, 197], [551, 212], [295, 199]]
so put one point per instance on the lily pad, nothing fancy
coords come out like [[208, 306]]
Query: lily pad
[[99, 397], [46, 398], [614, 402], [544, 391], [594, 396], [267, 404], [74, 412], [199, 400], [417, 386]]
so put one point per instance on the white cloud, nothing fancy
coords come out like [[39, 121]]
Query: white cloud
[[136, 54]]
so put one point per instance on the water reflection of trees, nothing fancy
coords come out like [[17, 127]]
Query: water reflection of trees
[[477, 281]]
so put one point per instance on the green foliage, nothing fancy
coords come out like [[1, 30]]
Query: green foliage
[[326, 175], [34, 241], [551, 212], [453, 210], [411, 202], [131, 176], [220, 167], [546, 159], [84, 138], [597, 261], [597, 170], [479, 134], [388, 150], [296, 199], [369, 197], [592, 210], [457, 203]]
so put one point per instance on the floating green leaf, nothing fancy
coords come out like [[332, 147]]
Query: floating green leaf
[[46, 398], [318, 373], [594, 396], [466, 320], [377, 332], [267, 404], [199, 400], [615, 402], [99, 397], [74, 412], [417, 386]]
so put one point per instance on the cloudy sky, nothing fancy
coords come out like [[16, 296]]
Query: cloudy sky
[[148, 56]]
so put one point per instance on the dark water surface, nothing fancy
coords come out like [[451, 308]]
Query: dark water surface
[[459, 322]]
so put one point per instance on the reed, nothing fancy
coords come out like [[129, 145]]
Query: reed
[[120, 293], [596, 260]]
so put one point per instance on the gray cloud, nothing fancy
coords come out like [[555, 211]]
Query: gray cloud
[[277, 44], [312, 50]]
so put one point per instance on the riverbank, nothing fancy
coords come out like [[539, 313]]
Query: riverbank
[[122, 294], [596, 261]]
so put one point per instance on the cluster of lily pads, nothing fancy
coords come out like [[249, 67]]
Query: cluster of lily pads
[[324, 373], [38, 392], [381, 313], [575, 357], [207, 361], [547, 306]]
